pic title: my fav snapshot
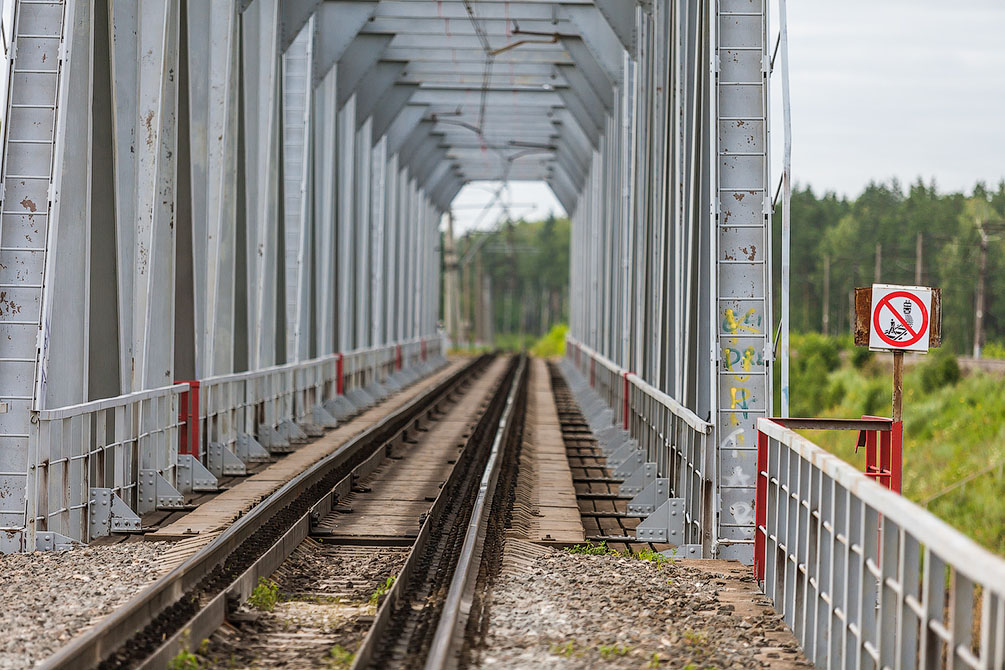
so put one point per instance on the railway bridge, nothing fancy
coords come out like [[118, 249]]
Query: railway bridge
[[220, 237]]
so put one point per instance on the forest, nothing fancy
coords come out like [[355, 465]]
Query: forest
[[890, 236], [514, 282]]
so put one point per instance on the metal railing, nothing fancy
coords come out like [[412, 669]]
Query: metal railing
[[670, 435], [100, 444], [124, 454], [864, 577]]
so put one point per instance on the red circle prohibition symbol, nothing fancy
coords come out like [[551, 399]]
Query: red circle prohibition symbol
[[885, 302]]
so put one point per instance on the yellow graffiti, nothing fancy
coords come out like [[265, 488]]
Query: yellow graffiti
[[745, 361], [734, 326], [738, 399]]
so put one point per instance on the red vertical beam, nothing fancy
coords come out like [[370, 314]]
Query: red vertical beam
[[188, 416], [761, 507], [397, 357], [340, 375], [423, 349], [593, 372], [870, 454]]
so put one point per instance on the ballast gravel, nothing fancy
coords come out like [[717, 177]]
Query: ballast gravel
[[50, 597], [588, 611]]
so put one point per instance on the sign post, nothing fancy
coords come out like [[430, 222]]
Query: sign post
[[898, 319]]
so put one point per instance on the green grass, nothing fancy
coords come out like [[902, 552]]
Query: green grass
[[591, 549], [340, 657], [381, 591], [265, 596], [951, 430]]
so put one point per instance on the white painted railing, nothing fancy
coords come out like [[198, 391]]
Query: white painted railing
[[103, 444], [864, 577], [95, 467], [671, 437]]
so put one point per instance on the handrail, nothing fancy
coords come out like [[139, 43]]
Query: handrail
[[864, 576], [108, 403], [966, 556], [689, 417]]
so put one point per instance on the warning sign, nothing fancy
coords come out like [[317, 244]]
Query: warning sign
[[901, 318]]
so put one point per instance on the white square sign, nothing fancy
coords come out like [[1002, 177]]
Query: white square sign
[[901, 318]]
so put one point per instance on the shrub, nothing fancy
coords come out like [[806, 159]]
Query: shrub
[[860, 356], [552, 344], [939, 371]]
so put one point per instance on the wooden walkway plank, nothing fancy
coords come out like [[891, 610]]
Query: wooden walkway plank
[[218, 513]]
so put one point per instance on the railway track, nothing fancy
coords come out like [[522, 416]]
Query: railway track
[[305, 521]]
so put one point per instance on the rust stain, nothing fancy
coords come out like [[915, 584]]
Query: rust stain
[[739, 196], [28, 204], [9, 305], [751, 252]]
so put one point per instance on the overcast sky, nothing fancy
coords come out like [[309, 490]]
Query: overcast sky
[[879, 89]]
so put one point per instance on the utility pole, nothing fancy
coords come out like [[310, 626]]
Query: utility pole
[[917, 259], [982, 270], [451, 299], [479, 305], [879, 261], [827, 294]]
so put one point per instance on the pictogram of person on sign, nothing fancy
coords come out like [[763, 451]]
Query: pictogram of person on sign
[[896, 331]]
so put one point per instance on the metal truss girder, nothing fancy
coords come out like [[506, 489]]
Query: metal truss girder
[[580, 134], [436, 176], [416, 137], [586, 94], [404, 125], [571, 166], [359, 57], [338, 23], [426, 155], [564, 196], [587, 64], [504, 99], [379, 81], [620, 16], [585, 90], [294, 15], [587, 119], [452, 10], [577, 143], [439, 54], [422, 70], [213, 49], [390, 108], [434, 26], [598, 37]]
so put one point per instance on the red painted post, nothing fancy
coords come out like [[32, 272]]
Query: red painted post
[[423, 349], [761, 507], [397, 357], [188, 415], [340, 375], [593, 372], [626, 399]]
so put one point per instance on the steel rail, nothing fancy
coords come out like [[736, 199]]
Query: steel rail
[[449, 637], [174, 600], [376, 636]]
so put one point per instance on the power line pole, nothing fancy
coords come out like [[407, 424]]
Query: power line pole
[[827, 294], [451, 299], [917, 259], [879, 261], [982, 270]]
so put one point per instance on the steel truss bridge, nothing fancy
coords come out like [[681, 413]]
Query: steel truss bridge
[[245, 195]]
